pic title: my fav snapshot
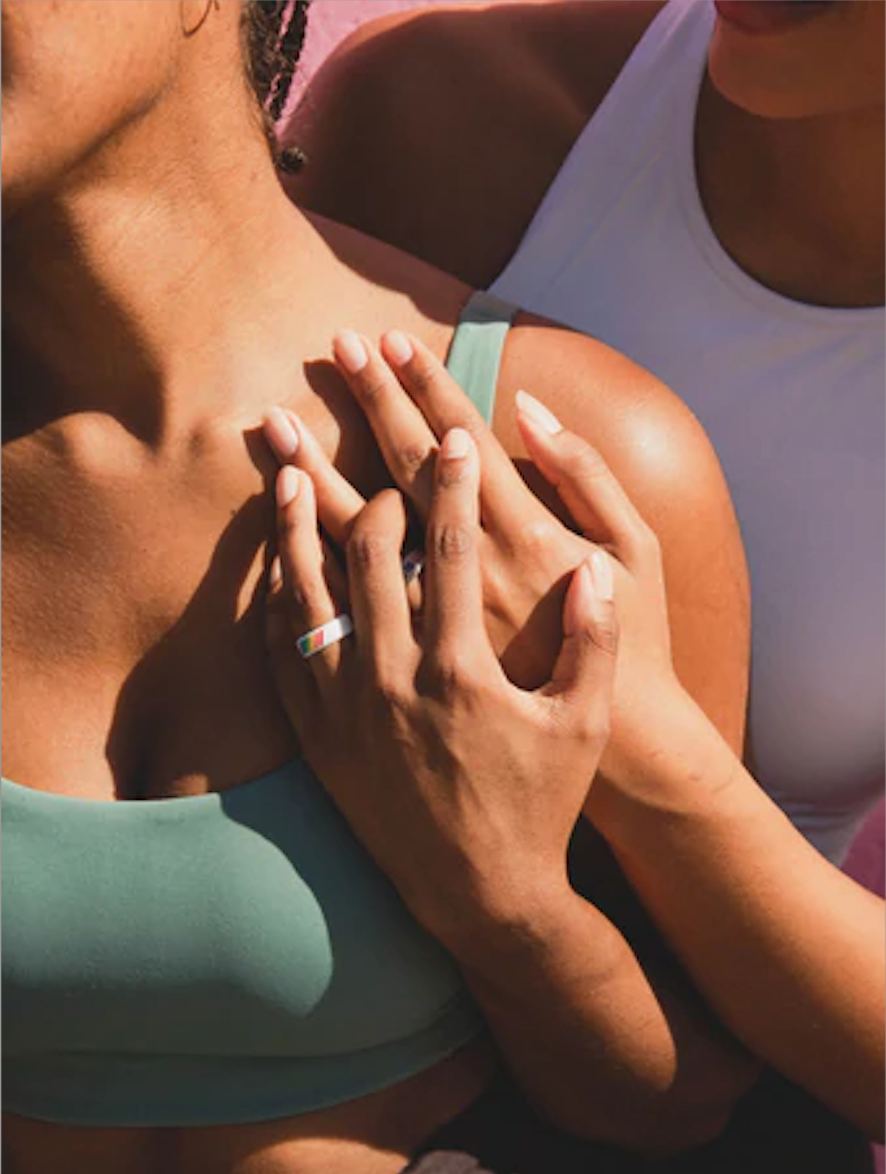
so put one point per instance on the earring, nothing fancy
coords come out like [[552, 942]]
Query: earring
[[190, 28]]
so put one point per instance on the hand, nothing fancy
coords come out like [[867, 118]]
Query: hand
[[443, 768], [526, 553]]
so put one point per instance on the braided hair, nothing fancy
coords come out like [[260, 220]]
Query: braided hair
[[274, 33]]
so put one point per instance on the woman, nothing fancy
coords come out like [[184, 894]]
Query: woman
[[786, 948], [700, 186], [197, 954]]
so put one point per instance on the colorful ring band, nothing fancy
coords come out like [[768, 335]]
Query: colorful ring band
[[325, 636]]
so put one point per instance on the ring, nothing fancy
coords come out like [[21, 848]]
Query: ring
[[325, 636], [413, 565]]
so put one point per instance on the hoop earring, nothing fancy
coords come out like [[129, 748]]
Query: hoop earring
[[190, 30]]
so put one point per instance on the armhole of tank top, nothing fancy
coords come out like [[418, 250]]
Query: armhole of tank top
[[475, 353], [580, 188]]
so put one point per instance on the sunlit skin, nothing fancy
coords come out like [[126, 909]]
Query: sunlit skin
[[789, 151], [160, 295]]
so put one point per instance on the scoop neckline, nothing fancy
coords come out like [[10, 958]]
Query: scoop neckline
[[724, 267], [206, 798]]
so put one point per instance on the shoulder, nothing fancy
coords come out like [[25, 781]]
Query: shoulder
[[652, 440], [662, 456], [440, 130]]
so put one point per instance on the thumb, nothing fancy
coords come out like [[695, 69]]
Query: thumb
[[585, 668]]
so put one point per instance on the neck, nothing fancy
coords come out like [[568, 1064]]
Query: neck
[[148, 292], [816, 186]]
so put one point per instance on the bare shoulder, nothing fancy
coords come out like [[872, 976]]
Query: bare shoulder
[[440, 130], [663, 458], [652, 440]]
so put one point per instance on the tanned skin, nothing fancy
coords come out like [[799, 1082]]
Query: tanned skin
[[405, 107]]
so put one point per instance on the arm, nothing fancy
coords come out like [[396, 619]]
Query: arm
[[704, 1071], [438, 733], [787, 949]]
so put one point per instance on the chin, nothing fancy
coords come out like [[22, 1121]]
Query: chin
[[797, 60], [769, 89]]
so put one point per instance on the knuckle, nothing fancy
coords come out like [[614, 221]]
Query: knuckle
[[389, 692], [452, 542], [453, 675], [583, 463], [594, 725], [367, 548], [423, 375], [604, 634], [373, 387], [287, 524], [539, 535], [412, 457], [308, 595]]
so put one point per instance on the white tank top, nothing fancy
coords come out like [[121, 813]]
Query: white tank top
[[791, 396]]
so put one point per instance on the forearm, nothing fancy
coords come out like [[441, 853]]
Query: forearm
[[786, 948], [594, 1045]]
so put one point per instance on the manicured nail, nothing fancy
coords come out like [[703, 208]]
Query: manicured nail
[[350, 351], [537, 413], [456, 444], [601, 572], [397, 348], [280, 434], [287, 486]]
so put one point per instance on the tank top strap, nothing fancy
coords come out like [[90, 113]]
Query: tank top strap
[[475, 351], [630, 141]]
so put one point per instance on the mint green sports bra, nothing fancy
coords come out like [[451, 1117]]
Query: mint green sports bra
[[221, 958]]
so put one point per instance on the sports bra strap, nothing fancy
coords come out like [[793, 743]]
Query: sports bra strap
[[476, 349]]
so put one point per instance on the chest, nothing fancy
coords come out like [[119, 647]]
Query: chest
[[133, 635]]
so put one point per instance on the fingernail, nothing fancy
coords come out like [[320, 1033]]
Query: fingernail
[[287, 486], [275, 574], [397, 348], [280, 434], [350, 351], [456, 444], [538, 413], [601, 572]]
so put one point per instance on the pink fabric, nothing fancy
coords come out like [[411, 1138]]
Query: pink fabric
[[330, 21]]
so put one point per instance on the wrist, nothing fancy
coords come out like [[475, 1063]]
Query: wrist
[[668, 764], [530, 933]]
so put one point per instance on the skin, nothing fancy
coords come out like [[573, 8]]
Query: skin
[[789, 160], [702, 843], [150, 258], [790, 126]]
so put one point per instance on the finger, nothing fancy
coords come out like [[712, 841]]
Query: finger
[[585, 669], [378, 591], [586, 485], [295, 683], [453, 615], [404, 438], [292, 442], [444, 405], [309, 597]]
